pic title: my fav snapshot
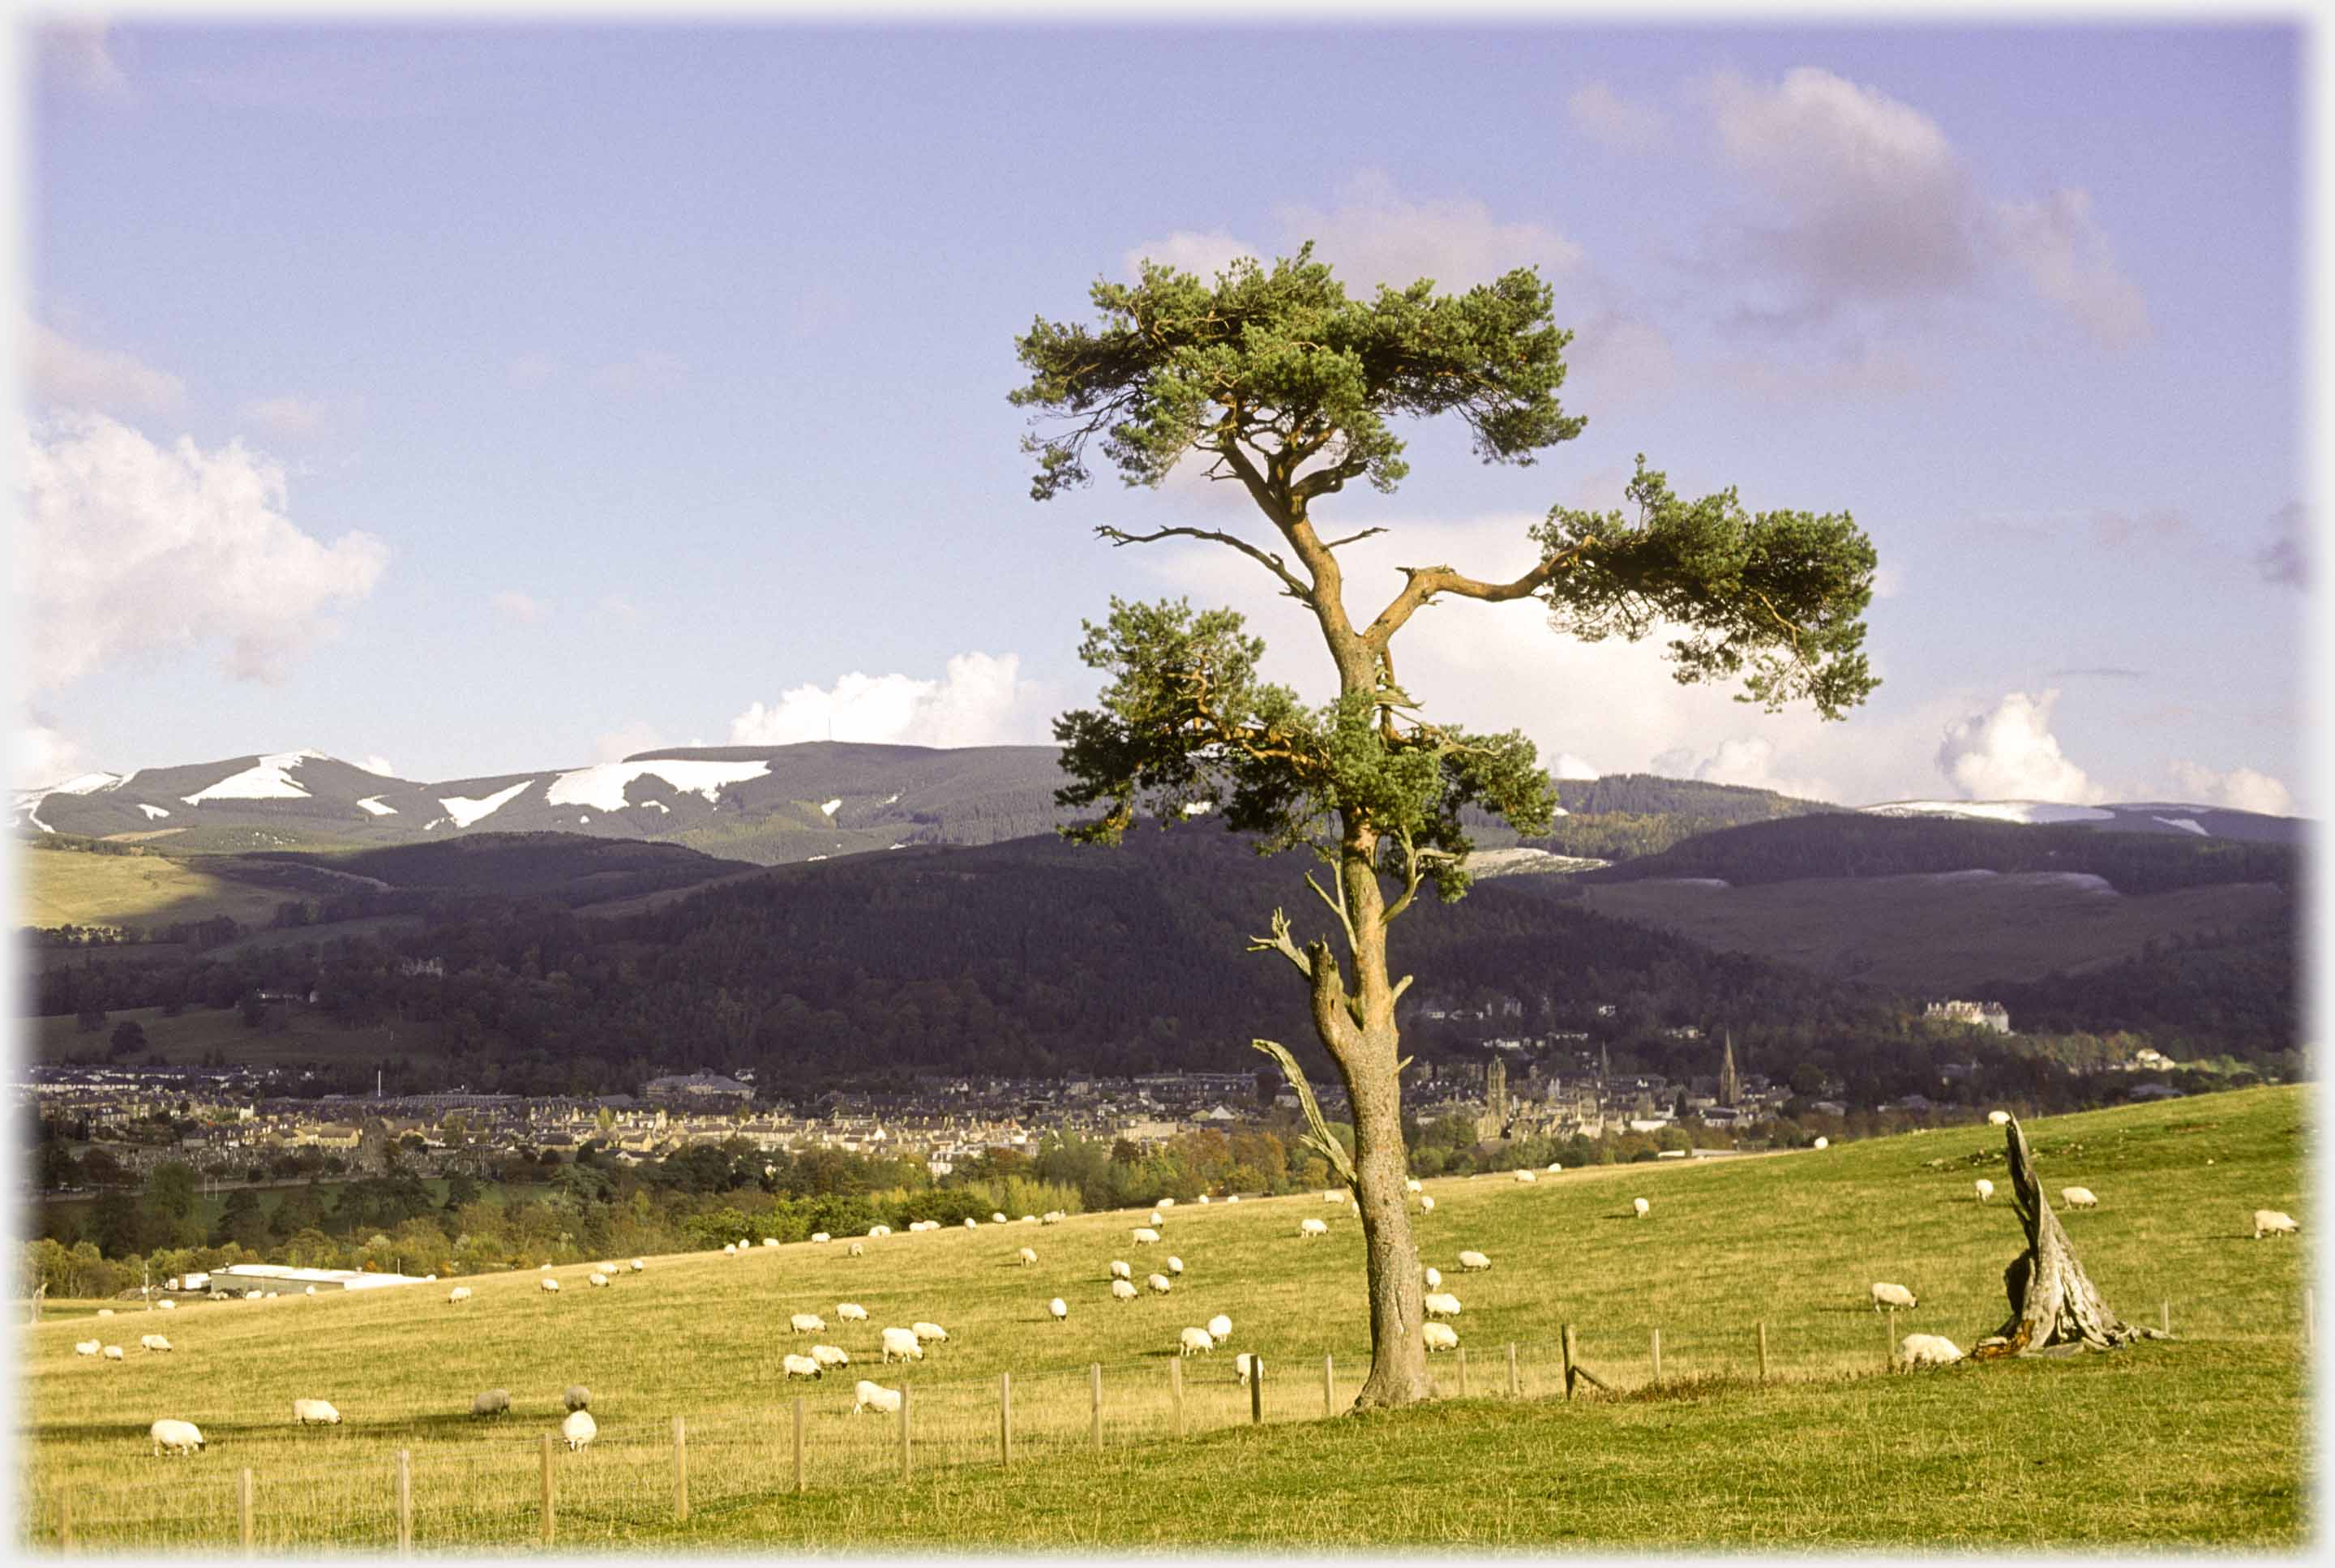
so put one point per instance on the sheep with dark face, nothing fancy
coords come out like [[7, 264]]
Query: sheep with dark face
[[493, 1402]]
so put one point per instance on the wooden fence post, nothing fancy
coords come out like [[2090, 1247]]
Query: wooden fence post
[[1094, 1386], [1658, 1358], [1763, 1350], [1176, 1391], [1516, 1385], [547, 1509], [1461, 1352], [798, 1446], [905, 1461], [1257, 1391], [1329, 1387], [1005, 1419], [405, 1501], [243, 1508], [1565, 1342], [680, 1471]]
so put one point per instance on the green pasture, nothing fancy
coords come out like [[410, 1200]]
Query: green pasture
[[2196, 1440]]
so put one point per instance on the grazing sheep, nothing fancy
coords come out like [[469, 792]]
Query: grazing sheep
[[549, 1283], [1061, 1308], [175, 1438], [1051, 1217], [574, 1397], [800, 1366], [1158, 1283], [874, 1231], [543, 1268], [1894, 1296], [770, 1241], [867, 1396], [113, 1352], [1203, 1197], [1221, 1327], [1442, 1304], [1414, 1184], [1145, 1236], [1427, 1204], [1174, 1264], [1553, 1167], [493, 1402], [856, 1249], [1926, 1350], [1641, 1207], [1234, 1199], [309, 1291], [458, 1295], [165, 1306], [1027, 1257], [1334, 1197], [1434, 1277], [1996, 1117], [830, 1356], [1192, 1340], [318, 1411], [1165, 1204], [153, 1342], [997, 1219], [807, 1323], [1029, 1219], [1474, 1262], [851, 1313], [596, 1280], [108, 1312], [2272, 1222], [1122, 1291], [929, 1333], [744, 1245], [903, 1343], [1439, 1336], [579, 1429], [1241, 1364], [1823, 1143], [2078, 1198], [86, 1347], [1985, 1189], [819, 1237], [639, 1266], [1526, 1176], [1311, 1228], [1119, 1270], [970, 1223]]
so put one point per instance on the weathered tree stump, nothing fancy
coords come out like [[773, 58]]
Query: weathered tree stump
[[2055, 1308]]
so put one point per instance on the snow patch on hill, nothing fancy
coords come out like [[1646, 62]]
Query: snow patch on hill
[[465, 811], [268, 778], [832, 806], [603, 785], [2028, 811], [152, 811], [2186, 824], [373, 803]]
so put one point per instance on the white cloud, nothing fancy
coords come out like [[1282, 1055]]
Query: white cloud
[[2010, 754], [43, 755], [289, 418], [133, 547], [651, 370], [1202, 254], [1616, 122], [378, 764], [2240, 789], [1888, 580], [73, 375], [625, 740], [75, 50], [981, 700], [1566, 765], [519, 608], [1748, 760], [2070, 263]]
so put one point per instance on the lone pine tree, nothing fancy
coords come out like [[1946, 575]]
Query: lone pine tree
[[1283, 384]]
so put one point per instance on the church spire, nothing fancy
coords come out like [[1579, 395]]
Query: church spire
[[1729, 1089]]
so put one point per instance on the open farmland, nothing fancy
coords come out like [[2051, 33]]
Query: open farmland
[[1829, 1454], [137, 892]]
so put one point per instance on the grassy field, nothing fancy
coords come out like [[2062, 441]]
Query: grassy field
[[137, 892], [306, 1036], [2196, 1440]]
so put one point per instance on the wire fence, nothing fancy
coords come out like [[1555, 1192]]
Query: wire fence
[[453, 1482]]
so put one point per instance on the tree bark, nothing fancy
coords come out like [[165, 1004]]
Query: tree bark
[[2053, 1303]]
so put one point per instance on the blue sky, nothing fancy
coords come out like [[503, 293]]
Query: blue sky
[[477, 400]]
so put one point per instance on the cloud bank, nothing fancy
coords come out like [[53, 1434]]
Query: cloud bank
[[980, 700], [2010, 754]]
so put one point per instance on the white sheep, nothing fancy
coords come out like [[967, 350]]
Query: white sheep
[[1233, 1198], [2273, 1223], [830, 1356], [730, 1249], [108, 1312], [851, 1313], [86, 1347], [639, 1265], [1641, 1207], [1027, 1257], [458, 1295], [1221, 1327], [1165, 1204], [1414, 1184], [1029, 1219], [1158, 1283], [1525, 1176], [1823, 1143], [1122, 1291], [1439, 1337], [1442, 1304], [997, 1219], [744, 1245], [1203, 1197], [856, 1249], [1061, 1308], [493, 1402], [543, 1268], [875, 1230], [1119, 1270], [1145, 1236], [1174, 1264], [1426, 1205], [1334, 1197], [1192, 1340], [929, 1333], [1926, 1350], [165, 1306], [1310, 1228], [113, 1352], [579, 1429], [773, 1240], [153, 1342], [1985, 1189], [318, 1411], [1472, 1263], [970, 1223], [819, 1237], [807, 1323], [1242, 1365], [548, 1284], [596, 1279], [1892, 1296], [1553, 1167], [1157, 1218], [867, 1396], [2078, 1198], [1434, 1277], [574, 1397], [175, 1438], [800, 1366], [1051, 1217], [903, 1343], [1996, 1117]]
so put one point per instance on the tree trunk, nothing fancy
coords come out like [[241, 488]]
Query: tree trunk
[[2053, 1303]]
